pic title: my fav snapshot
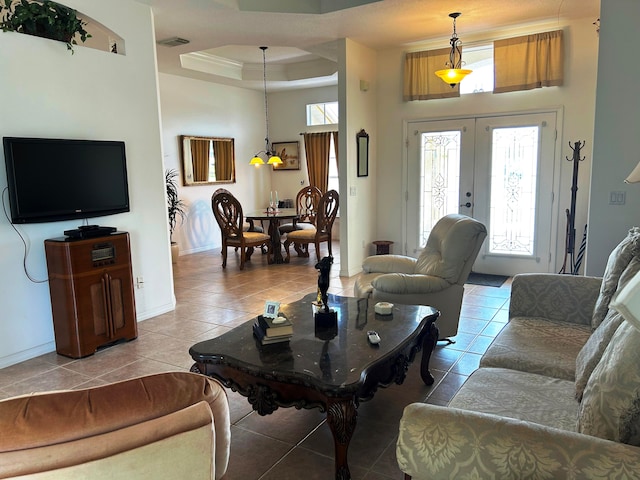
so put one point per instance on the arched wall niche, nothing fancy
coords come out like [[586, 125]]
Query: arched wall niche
[[102, 37]]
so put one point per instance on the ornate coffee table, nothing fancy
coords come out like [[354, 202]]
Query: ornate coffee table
[[332, 370]]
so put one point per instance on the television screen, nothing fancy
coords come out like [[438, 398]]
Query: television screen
[[54, 179]]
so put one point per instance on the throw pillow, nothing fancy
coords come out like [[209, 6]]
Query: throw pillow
[[618, 261], [592, 351], [610, 406]]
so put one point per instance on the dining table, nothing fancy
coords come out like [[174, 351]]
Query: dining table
[[274, 217]]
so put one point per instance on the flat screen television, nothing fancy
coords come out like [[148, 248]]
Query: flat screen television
[[55, 179]]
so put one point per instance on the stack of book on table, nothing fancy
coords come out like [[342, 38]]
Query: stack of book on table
[[268, 332]]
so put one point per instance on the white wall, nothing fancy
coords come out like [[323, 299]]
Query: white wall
[[359, 199], [196, 107], [616, 133], [90, 95], [576, 98]]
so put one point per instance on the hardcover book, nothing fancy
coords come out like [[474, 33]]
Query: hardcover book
[[272, 329], [259, 333]]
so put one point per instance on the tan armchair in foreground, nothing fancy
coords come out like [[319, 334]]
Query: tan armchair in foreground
[[164, 426], [435, 278]]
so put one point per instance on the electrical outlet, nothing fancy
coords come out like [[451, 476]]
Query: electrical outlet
[[139, 282]]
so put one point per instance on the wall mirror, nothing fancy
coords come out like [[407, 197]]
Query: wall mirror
[[362, 138], [207, 160]]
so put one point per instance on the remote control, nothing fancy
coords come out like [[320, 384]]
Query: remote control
[[373, 337]]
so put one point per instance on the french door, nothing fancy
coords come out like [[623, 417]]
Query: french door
[[499, 170]]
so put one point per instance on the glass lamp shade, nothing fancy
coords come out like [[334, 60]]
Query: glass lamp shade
[[274, 160], [453, 76], [256, 161], [634, 177]]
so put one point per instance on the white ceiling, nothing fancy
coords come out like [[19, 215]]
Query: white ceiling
[[225, 35]]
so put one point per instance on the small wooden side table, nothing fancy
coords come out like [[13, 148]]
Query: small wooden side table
[[382, 246]]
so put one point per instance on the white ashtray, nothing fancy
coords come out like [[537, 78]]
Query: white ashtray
[[384, 308]]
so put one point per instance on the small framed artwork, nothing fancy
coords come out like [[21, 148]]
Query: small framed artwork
[[271, 309], [289, 152]]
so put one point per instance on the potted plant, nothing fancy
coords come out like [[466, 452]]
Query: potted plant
[[175, 208], [43, 19]]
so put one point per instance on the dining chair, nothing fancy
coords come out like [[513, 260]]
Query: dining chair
[[307, 201], [228, 213], [326, 215]]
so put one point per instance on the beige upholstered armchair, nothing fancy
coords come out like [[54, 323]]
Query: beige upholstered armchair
[[164, 426], [435, 278]]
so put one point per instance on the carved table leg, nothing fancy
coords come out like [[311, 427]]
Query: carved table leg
[[274, 232], [342, 416], [428, 344]]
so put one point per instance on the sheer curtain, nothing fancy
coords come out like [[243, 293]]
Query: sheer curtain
[[420, 79], [200, 160], [530, 61], [317, 147]]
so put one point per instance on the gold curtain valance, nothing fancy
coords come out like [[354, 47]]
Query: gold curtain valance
[[530, 61], [420, 79]]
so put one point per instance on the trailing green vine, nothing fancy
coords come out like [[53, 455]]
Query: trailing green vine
[[43, 19]]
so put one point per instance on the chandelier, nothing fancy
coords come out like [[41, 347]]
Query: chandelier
[[454, 74], [269, 152]]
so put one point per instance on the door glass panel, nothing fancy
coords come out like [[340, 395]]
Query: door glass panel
[[514, 164], [439, 178]]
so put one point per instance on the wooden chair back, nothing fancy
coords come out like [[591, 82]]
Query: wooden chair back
[[307, 201], [228, 213], [327, 212]]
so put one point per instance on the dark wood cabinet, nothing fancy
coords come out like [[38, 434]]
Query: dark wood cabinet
[[92, 298]]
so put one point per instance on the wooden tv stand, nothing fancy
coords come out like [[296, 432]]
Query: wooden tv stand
[[92, 298]]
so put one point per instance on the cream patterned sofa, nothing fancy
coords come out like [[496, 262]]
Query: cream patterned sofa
[[165, 426], [557, 394]]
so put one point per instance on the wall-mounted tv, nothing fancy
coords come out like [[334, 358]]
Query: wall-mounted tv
[[56, 179]]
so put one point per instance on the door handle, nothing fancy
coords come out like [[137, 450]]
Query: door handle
[[468, 204]]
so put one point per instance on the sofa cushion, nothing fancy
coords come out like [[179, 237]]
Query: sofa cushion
[[520, 395], [537, 345], [592, 351], [617, 263], [610, 406]]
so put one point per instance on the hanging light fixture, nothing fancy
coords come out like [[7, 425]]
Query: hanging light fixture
[[454, 74], [269, 152]]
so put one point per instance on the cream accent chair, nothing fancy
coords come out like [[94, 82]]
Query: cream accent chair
[[435, 278], [164, 426]]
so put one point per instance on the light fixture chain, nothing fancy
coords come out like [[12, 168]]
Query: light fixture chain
[[266, 104]]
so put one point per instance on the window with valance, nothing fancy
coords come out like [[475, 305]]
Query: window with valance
[[520, 63]]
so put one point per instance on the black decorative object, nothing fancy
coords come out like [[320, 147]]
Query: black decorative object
[[574, 262], [326, 319]]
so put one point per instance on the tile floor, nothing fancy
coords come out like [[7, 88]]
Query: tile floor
[[289, 444]]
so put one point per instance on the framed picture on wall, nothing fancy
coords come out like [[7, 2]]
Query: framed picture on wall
[[289, 152]]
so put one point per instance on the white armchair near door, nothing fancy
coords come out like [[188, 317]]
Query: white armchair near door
[[435, 278]]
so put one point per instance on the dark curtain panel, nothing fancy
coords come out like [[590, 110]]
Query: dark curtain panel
[[317, 147]]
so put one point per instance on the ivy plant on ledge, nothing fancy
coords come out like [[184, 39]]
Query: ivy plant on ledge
[[43, 19]]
